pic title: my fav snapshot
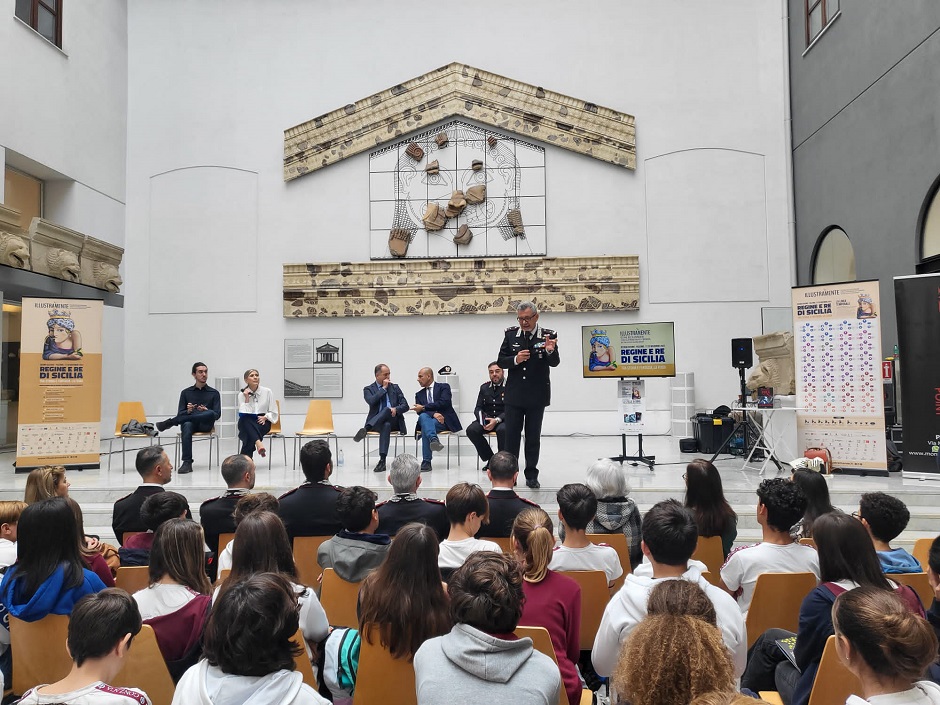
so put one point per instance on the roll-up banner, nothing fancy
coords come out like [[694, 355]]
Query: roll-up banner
[[838, 374], [917, 300], [60, 384]]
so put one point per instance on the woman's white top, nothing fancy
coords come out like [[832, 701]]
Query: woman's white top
[[259, 402], [162, 598], [923, 693]]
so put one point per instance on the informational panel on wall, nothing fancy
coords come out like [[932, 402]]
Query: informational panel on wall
[[838, 373], [917, 299], [632, 404], [629, 350], [60, 383], [313, 368]]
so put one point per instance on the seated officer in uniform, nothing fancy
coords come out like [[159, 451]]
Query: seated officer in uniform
[[404, 475], [505, 504], [489, 414], [310, 510], [217, 515]]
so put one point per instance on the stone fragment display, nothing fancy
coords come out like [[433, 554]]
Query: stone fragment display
[[464, 235], [476, 194], [455, 205], [434, 218]]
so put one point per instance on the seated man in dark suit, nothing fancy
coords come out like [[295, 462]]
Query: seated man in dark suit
[[489, 414], [217, 515], [155, 471], [310, 510], [387, 407], [406, 506], [435, 413], [505, 504]]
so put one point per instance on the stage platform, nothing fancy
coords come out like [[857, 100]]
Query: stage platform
[[564, 459]]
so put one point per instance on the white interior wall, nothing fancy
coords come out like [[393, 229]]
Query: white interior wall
[[219, 89]]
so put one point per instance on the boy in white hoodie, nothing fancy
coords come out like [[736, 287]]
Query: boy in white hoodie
[[669, 538]]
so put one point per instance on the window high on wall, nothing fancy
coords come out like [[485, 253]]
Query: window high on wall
[[23, 192], [835, 258], [930, 233], [819, 13], [45, 16]]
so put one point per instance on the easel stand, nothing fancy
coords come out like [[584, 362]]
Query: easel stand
[[648, 460]]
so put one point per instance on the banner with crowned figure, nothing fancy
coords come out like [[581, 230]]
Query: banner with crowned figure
[[60, 383]]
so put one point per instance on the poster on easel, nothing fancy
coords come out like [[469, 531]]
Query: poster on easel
[[60, 384], [631, 405], [917, 299], [838, 373]]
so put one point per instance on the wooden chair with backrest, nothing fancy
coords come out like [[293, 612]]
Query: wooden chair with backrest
[[619, 543], [594, 598], [919, 582], [317, 424], [305, 558], [127, 410], [211, 434], [225, 540], [381, 677], [776, 602], [504, 542], [709, 551], [39, 653], [145, 669], [542, 642], [302, 662], [277, 433], [442, 436], [807, 541], [834, 683], [366, 446], [921, 552], [338, 598], [132, 578]]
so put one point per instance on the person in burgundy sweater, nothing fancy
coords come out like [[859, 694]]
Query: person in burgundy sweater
[[552, 600]]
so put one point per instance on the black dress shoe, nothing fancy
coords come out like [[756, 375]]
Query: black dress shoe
[[379, 466], [164, 425], [360, 434], [532, 484], [486, 466], [425, 467], [185, 468]]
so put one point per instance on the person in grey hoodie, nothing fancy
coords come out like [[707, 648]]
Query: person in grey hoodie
[[480, 659], [356, 550], [248, 649]]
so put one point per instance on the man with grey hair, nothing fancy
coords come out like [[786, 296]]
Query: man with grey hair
[[155, 470], [528, 352], [404, 475], [217, 514]]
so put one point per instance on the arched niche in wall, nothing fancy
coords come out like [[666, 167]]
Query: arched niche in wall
[[834, 258], [929, 229]]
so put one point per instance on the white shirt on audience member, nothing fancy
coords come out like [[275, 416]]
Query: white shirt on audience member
[[7, 553], [162, 598], [591, 557], [95, 694], [744, 564], [454, 553], [923, 693]]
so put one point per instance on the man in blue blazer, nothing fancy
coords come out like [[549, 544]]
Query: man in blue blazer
[[435, 413], [387, 408]]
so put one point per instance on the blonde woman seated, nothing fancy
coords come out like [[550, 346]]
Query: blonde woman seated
[[256, 412], [886, 646], [46, 482], [177, 602]]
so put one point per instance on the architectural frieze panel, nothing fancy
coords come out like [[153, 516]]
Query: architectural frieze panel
[[461, 286], [463, 91]]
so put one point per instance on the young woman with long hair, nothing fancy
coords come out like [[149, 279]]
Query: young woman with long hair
[[816, 490], [552, 600], [45, 483], [705, 498], [261, 546], [91, 556], [886, 646]]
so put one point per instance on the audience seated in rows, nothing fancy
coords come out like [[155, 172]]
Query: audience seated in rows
[[310, 510], [816, 491], [155, 510], [885, 646], [467, 510], [92, 558], [577, 506], [216, 514], [155, 470], [356, 550], [552, 600], [248, 504], [780, 507], [101, 629], [249, 648], [480, 660], [617, 513], [504, 503], [669, 539], [177, 601], [847, 561], [404, 475], [885, 517], [50, 575], [403, 598], [10, 511], [933, 613], [263, 547], [46, 483], [705, 498]]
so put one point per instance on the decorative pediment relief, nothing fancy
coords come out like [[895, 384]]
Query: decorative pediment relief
[[461, 286], [14, 241], [56, 250], [462, 91]]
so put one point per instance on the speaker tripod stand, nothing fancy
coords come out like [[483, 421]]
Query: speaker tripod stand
[[745, 425]]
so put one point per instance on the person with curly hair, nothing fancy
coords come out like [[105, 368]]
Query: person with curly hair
[[680, 597], [816, 490], [671, 659], [885, 517], [780, 506], [705, 498], [886, 646]]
